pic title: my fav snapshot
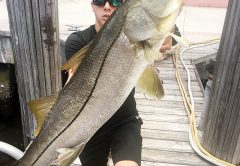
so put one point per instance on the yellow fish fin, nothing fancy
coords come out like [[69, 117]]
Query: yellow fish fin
[[76, 59], [40, 108], [181, 40], [68, 155], [150, 84], [151, 54]]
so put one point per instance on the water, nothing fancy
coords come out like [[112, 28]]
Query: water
[[10, 116]]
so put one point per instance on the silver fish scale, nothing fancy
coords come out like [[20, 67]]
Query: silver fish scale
[[98, 88], [74, 95]]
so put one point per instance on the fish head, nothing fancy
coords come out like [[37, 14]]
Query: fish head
[[151, 19], [161, 8]]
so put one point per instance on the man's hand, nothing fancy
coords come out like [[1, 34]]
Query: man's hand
[[167, 45]]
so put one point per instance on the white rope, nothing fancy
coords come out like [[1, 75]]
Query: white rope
[[11, 150], [194, 146]]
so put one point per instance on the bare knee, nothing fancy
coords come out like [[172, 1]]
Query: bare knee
[[126, 163]]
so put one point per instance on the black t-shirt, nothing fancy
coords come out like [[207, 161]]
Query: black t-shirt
[[127, 111]]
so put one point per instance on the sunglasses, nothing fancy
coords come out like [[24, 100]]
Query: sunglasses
[[113, 3]]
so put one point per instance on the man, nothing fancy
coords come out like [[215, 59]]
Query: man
[[120, 135]]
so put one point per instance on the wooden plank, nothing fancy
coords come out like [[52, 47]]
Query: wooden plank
[[169, 61], [172, 73], [166, 118], [173, 70], [165, 126], [233, 131], [36, 56], [167, 145], [173, 157], [147, 163], [164, 111], [197, 55], [171, 65], [15, 31], [210, 49], [170, 98], [237, 151], [166, 103], [164, 135], [39, 51], [172, 77], [175, 87], [175, 92], [194, 82], [204, 58], [166, 107], [6, 55]]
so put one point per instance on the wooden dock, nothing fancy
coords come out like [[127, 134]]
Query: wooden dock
[[165, 128]]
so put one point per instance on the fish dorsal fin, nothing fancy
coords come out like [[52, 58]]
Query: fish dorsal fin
[[40, 108], [181, 40], [68, 155], [76, 59], [150, 84]]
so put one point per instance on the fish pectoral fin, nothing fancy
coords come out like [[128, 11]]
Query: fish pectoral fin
[[151, 54], [40, 108], [68, 155], [181, 40], [150, 84], [76, 59]]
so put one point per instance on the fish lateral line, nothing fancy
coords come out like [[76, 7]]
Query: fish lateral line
[[85, 103]]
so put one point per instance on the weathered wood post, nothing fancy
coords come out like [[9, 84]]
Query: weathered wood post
[[221, 135], [35, 40]]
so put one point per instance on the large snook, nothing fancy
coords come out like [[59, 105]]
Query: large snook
[[107, 74]]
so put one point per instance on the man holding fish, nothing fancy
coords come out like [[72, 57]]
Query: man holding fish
[[120, 136], [95, 113]]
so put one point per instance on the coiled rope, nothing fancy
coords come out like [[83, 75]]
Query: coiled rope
[[189, 104]]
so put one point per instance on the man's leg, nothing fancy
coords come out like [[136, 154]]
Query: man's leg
[[96, 151], [126, 163], [126, 145]]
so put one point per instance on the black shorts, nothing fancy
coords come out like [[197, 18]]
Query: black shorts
[[124, 141]]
